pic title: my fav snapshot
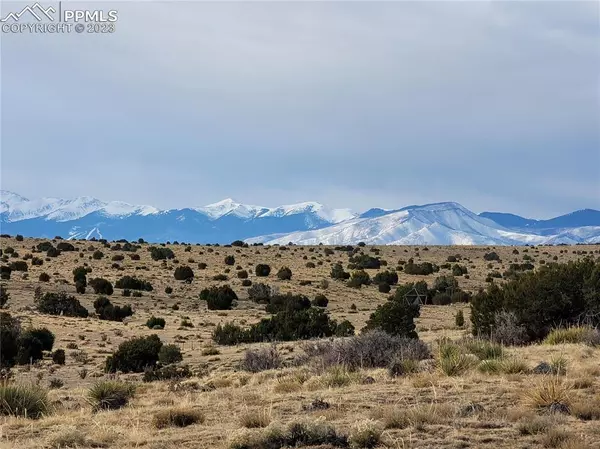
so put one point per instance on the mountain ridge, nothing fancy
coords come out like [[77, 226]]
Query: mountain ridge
[[445, 223]]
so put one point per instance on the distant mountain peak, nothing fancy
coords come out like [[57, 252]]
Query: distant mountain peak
[[308, 222]]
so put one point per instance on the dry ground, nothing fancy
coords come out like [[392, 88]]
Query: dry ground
[[433, 401]]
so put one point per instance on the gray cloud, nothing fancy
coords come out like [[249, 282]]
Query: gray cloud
[[357, 104]]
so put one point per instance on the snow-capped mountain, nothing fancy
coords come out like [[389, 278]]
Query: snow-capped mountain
[[308, 223], [15, 207], [222, 222], [432, 224]]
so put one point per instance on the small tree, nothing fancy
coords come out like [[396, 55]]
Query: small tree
[[337, 272], [156, 323], [4, 295], [459, 318], [135, 355], [169, 354], [359, 278], [184, 273], [396, 317], [262, 270], [218, 298], [101, 286], [284, 274]]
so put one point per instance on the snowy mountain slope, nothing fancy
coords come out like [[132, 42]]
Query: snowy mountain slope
[[14, 207], [231, 207], [432, 224], [221, 222], [311, 223]]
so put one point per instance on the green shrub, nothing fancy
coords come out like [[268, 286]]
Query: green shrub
[[19, 265], [10, 330], [133, 283], [218, 297], [459, 319], [80, 287], [491, 256], [156, 323], [284, 274], [110, 395], [286, 325], [44, 277], [60, 304], [287, 302], [320, 301], [229, 260], [168, 372], [262, 270], [168, 290], [555, 295], [65, 246], [184, 273], [58, 357], [459, 270], [101, 286], [386, 277], [107, 311], [246, 283], [80, 273], [359, 278], [5, 272], [161, 253], [169, 354], [364, 261], [28, 401], [4, 295], [423, 269], [135, 355], [97, 255], [395, 317], [30, 349], [242, 274], [44, 246], [44, 335], [337, 272]]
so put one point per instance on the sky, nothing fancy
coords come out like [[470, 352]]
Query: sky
[[495, 105]]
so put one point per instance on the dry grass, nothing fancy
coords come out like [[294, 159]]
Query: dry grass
[[548, 391], [177, 417], [256, 418], [419, 410]]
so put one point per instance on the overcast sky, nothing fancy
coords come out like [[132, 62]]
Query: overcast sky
[[354, 104]]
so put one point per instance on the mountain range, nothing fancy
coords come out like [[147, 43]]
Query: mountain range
[[306, 223]]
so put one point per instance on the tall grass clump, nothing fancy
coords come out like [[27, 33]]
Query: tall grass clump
[[549, 391], [177, 417], [110, 395], [28, 401], [485, 350], [574, 334], [452, 359]]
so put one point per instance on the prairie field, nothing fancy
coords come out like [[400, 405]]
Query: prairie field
[[498, 399]]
